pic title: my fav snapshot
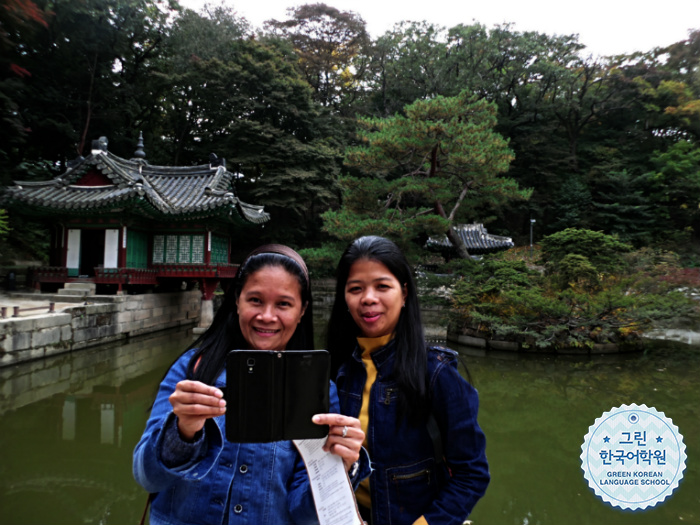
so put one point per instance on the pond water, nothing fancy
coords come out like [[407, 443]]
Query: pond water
[[69, 425]]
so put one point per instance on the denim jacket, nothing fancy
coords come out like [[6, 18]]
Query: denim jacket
[[225, 482], [406, 481]]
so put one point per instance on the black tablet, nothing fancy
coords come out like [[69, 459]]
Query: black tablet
[[272, 395]]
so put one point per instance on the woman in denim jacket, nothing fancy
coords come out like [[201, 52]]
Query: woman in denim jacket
[[183, 457], [418, 414]]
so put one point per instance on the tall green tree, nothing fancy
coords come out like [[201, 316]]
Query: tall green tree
[[569, 206], [521, 72], [407, 65], [189, 78], [86, 72], [621, 208], [332, 50], [19, 23], [244, 99], [674, 190], [581, 95], [517, 70], [670, 89], [440, 162]]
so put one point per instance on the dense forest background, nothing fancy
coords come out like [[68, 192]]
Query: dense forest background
[[607, 144]]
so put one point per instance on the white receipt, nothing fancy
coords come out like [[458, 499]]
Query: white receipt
[[330, 485]]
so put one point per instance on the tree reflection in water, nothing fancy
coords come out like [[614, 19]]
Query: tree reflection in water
[[70, 423]]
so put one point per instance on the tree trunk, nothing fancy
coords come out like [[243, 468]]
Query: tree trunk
[[88, 117], [455, 239], [459, 245]]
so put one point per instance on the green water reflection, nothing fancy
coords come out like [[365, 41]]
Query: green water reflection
[[69, 425], [536, 411]]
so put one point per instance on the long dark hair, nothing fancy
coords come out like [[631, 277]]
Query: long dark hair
[[225, 334], [410, 365]]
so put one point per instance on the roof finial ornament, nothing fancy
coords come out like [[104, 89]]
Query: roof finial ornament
[[215, 161], [100, 145], [139, 153]]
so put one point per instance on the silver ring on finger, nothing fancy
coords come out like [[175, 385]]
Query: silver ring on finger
[[345, 431]]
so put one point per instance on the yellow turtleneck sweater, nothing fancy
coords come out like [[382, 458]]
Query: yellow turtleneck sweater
[[369, 345]]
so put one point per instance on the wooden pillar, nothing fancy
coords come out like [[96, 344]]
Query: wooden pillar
[[121, 259], [207, 249], [64, 247]]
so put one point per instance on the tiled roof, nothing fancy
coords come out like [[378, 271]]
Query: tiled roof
[[475, 237], [139, 188]]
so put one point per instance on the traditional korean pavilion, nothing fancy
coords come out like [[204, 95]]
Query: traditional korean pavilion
[[475, 237], [127, 223]]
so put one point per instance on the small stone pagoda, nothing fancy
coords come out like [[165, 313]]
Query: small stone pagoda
[[131, 225]]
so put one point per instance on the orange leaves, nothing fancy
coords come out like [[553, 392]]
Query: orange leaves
[[26, 10], [19, 71]]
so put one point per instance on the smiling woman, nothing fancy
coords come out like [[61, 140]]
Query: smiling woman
[[184, 456], [418, 413], [270, 308], [374, 297]]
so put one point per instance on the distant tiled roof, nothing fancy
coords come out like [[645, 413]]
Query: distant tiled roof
[[135, 187], [475, 237]]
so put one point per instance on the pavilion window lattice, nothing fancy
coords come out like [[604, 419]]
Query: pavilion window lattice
[[197, 253], [184, 253], [171, 250], [182, 249], [159, 249]]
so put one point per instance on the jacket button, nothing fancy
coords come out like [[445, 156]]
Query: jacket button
[[243, 469], [238, 509]]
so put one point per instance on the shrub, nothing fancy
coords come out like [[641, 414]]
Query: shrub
[[322, 261], [575, 269], [4, 227], [605, 252], [574, 306]]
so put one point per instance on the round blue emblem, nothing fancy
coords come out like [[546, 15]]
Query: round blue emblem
[[633, 457]]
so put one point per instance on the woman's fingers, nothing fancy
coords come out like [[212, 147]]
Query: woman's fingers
[[336, 420], [352, 442], [195, 409], [343, 427], [193, 403], [188, 387], [196, 394], [348, 455], [345, 436]]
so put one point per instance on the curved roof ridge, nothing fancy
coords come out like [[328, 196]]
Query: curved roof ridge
[[475, 237], [145, 190]]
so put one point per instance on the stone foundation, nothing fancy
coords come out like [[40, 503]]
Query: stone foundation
[[81, 326], [513, 346]]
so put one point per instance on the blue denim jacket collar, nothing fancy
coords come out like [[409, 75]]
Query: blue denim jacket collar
[[383, 357]]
